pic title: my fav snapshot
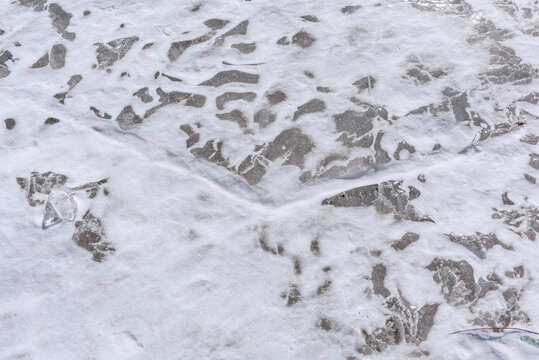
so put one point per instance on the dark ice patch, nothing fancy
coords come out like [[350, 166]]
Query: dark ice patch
[[90, 235], [505, 317], [506, 200], [293, 295], [193, 136], [235, 116], [240, 29], [275, 96], [517, 273], [303, 39], [51, 121], [322, 289], [408, 323], [216, 24], [387, 197], [128, 119], [5, 56], [310, 18], [479, 243], [91, 188], [353, 167], [60, 21], [530, 139], [455, 7], [212, 153], [323, 89], [10, 123], [291, 143], [418, 75], [225, 77], [177, 48], [526, 218], [38, 5], [407, 239], [244, 48], [354, 122], [98, 113], [175, 97], [222, 99], [350, 9], [57, 56], [403, 145], [530, 179], [459, 104], [457, 281], [109, 53], [486, 29], [253, 169], [378, 276], [40, 183], [41, 62], [143, 95], [264, 117], [312, 106], [510, 67], [172, 78], [283, 41], [366, 82], [73, 81], [380, 155], [534, 161], [413, 192], [350, 141]]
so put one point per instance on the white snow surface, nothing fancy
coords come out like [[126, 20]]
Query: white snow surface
[[202, 262]]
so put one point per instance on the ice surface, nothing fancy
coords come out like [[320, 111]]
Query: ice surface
[[280, 180]]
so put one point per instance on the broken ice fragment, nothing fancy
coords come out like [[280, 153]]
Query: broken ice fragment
[[60, 206]]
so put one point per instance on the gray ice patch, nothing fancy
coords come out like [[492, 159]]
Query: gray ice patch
[[222, 99], [264, 117], [90, 235], [60, 21], [234, 116], [458, 282], [387, 197], [216, 24], [240, 29], [109, 53], [312, 106], [177, 48], [479, 243], [245, 48], [225, 77], [41, 62], [128, 119], [176, 97], [303, 39], [275, 96], [143, 95], [57, 56], [407, 239]]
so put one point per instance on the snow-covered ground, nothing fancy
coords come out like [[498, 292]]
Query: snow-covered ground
[[268, 179]]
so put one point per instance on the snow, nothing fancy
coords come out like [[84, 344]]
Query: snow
[[198, 237]]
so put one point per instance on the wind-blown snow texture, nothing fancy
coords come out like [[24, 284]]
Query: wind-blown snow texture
[[268, 179]]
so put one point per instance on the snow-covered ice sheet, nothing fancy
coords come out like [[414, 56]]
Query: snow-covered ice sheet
[[269, 179]]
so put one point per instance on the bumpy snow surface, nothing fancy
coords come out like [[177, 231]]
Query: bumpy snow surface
[[229, 179]]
